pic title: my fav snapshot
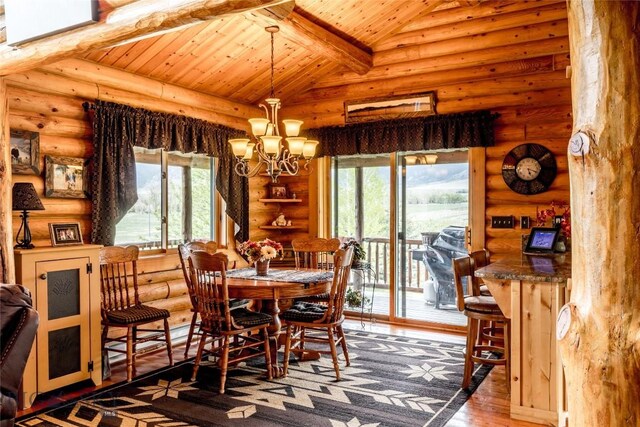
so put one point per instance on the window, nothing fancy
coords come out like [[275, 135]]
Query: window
[[176, 194]]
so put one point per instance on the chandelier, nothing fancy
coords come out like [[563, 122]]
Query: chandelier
[[272, 155]]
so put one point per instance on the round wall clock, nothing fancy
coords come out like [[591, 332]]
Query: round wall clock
[[529, 169]]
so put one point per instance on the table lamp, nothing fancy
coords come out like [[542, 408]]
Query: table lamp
[[25, 199]]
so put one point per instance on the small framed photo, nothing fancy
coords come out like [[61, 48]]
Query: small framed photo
[[65, 234], [278, 191], [25, 152], [66, 177]]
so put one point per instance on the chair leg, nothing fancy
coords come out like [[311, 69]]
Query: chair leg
[[224, 363], [129, 354], [135, 349], [196, 363], [468, 361], [343, 341], [167, 337], [507, 353], [194, 319], [334, 353], [287, 350], [267, 352]]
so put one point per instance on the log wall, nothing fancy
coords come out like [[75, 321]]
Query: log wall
[[473, 62]]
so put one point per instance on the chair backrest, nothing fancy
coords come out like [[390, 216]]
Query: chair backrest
[[184, 250], [315, 253], [119, 277], [209, 279], [341, 269], [462, 267], [481, 258]]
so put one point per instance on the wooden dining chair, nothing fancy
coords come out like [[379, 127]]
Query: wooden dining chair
[[315, 253], [121, 306], [489, 331], [478, 308], [184, 250], [303, 316], [230, 329]]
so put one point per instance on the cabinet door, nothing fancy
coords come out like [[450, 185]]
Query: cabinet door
[[63, 342]]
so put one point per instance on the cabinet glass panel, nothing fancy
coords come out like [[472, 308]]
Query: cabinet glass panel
[[63, 292], [64, 352]]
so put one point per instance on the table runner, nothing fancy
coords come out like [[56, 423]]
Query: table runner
[[298, 276]]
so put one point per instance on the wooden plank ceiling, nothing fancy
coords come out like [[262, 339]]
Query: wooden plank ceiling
[[230, 57]]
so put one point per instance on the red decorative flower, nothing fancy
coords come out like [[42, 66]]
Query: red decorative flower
[[542, 216]]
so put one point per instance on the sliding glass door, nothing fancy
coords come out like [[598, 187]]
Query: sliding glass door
[[432, 213], [411, 224]]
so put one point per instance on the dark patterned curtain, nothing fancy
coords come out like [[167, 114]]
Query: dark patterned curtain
[[415, 134], [118, 128]]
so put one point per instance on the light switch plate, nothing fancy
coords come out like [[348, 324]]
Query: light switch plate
[[525, 222], [502, 221]]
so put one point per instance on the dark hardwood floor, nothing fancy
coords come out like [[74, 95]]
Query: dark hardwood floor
[[487, 407]]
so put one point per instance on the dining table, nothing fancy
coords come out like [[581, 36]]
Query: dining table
[[277, 286]]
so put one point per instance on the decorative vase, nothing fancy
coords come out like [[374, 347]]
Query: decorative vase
[[262, 268]]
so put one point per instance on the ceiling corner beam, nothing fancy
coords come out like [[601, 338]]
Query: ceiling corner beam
[[127, 22], [300, 30]]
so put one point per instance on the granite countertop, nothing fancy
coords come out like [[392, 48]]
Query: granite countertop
[[556, 268]]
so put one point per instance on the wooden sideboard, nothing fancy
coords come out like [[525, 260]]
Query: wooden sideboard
[[65, 288], [530, 291]]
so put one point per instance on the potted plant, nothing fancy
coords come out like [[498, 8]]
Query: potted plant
[[355, 299], [359, 253]]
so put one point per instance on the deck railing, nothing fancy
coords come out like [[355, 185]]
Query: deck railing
[[379, 255]]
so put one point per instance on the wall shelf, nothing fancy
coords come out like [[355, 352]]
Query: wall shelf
[[280, 200]]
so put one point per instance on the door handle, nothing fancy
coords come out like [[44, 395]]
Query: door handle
[[43, 276]]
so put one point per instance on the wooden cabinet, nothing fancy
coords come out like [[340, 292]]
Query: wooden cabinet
[[65, 287]]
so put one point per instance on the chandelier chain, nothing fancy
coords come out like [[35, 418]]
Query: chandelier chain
[[272, 68]]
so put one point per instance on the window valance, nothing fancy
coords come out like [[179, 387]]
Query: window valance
[[415, 134], [118, 128]]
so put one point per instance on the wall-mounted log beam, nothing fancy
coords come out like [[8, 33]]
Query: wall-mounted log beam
[[303, 32], [124, 23]]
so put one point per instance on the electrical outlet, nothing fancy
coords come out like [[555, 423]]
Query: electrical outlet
[[524, 222], [502, 221]]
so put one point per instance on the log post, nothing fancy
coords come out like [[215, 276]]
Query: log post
[[7, 273], [599, 331]]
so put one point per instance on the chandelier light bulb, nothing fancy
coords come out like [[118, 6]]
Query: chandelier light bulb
[[292, 127], [239, 146]]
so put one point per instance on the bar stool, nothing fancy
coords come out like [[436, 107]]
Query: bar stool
[[489, 331], [479, 308]]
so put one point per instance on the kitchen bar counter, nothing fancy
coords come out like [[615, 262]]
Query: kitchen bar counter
[[530, 291]]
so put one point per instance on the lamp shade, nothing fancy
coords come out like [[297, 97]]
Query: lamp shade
[[25, 197]]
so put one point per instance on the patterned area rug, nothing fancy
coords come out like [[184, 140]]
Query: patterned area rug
[[392, 381]]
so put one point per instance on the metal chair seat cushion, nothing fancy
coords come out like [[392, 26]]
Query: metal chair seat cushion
[[484, 291], [482, 304], [304, 312], [248, 318], [137, 313]]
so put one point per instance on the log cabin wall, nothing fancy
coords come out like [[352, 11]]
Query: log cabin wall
[[474, 60]]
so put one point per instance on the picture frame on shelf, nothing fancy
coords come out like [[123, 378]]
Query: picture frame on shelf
[[65, 234], [66, 177], [25, 152], [278, 191]]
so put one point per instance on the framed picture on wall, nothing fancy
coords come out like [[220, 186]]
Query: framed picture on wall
[[66, 177], [25, 152], [65, 234]]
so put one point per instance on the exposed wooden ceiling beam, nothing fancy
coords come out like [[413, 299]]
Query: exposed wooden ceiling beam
[[300, 30], [99, 74], [124, 23]]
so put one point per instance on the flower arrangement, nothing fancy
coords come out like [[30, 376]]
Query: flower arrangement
[[565, 222], [263, 250], [354, 298]]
